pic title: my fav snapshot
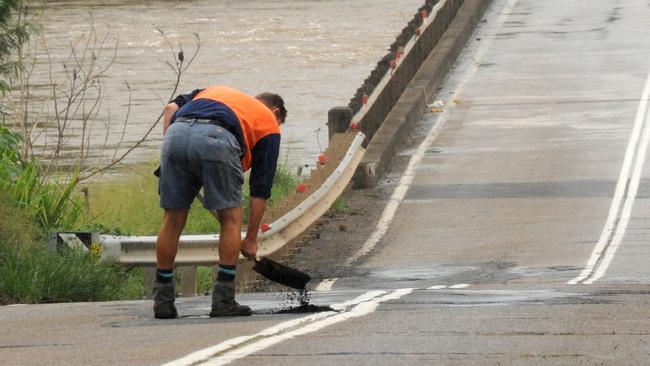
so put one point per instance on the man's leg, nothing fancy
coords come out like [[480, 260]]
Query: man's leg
[[223, 294], [170, 231], [166, 248], [230, 235]]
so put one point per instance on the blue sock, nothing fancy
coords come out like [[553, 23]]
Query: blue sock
[[164, 275], [226, 273]]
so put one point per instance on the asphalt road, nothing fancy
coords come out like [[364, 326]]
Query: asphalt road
[[519, 235]]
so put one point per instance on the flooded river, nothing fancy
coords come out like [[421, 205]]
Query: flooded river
[[314, 53]]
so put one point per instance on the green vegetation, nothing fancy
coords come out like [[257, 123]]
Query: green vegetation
[[33, 272], [339, 206], [30, 208], [14, 32], [33, 204], [30, 272], [130, 206], [37, 275]]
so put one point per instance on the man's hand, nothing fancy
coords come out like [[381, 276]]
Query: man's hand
[[249, 247]]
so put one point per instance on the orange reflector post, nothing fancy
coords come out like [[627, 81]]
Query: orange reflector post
[[322, 159]]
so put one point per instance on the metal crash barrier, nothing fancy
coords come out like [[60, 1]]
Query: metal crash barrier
[[202, 249]]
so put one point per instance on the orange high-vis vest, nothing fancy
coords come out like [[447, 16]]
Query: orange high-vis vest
[[255, 118]]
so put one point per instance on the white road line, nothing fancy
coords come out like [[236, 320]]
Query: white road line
[[407, 178], [361, 309], [437, 287], [459, 286], [624, 196], [325, 285], [206, 353]]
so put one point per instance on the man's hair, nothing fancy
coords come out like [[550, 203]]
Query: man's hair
[[274, 100]]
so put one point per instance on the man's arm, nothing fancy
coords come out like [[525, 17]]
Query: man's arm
[[256, 208], [174, 105], [168, 113], [263, 166]]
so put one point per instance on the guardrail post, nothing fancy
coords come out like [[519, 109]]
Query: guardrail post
[[338, 120], [188, 280], [149, 278]]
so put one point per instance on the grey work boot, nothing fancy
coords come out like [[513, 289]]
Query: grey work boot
[[163, 301], [223, 301]]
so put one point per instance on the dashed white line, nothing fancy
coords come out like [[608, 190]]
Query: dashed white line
[[453, 287], [437, 287], [325, 285]]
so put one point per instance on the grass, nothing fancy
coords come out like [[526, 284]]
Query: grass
[[130, 206], [40, 275], [340, 206]]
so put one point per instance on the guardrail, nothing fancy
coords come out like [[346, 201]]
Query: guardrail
[[202, 249]]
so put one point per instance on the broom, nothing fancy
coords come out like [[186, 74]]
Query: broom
[[275, 271]]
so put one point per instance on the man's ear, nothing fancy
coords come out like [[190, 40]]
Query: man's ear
[[275, 111]]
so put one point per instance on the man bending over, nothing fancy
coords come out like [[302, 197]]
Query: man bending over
[[212, 136]]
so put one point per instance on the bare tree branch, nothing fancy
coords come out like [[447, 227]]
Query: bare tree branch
[[179, 60]]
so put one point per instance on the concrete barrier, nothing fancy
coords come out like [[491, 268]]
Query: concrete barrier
[[404, 98]]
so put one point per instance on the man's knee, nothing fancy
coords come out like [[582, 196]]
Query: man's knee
[[230, 216], [175, 219]]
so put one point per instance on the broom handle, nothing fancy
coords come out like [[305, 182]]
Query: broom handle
[[200, 198]]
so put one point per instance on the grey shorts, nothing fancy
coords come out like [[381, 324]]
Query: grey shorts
[[196, 155]]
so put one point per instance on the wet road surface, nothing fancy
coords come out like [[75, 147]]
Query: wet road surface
[[506, 210]]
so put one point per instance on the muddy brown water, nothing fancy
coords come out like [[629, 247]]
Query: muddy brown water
[[314, 53]]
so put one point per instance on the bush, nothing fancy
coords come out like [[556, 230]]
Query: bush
[[41, 275], [30, 273]]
